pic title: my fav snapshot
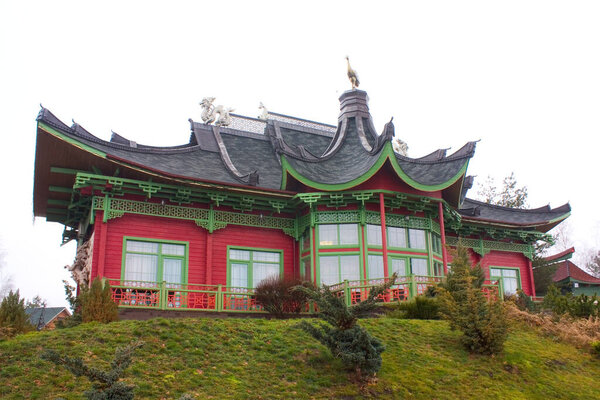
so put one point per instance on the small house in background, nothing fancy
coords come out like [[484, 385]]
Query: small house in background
[[46, 317], [570, 275]]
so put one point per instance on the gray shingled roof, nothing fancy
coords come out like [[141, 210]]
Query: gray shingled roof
[[477, 210], [249, 149], [47, 314]]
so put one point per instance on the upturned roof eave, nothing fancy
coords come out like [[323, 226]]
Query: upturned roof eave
[[542, 226], [386, 155]]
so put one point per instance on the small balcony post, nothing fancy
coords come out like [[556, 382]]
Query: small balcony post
[[164, 297], [219, 299], [347, 293]]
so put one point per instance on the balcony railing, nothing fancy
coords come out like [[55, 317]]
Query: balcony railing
[[171, 296]]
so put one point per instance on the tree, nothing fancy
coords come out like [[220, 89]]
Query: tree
[[592, 262], [511, 195], [462, 303], [36, 302], [6, 283], [97, 303], [106, 385], [13, 318], [347, 340]]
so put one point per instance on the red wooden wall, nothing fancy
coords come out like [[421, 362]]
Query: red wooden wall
[[110, 243]]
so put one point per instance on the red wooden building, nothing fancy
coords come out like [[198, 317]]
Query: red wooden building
[[197, 226]]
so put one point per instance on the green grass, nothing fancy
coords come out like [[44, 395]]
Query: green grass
[[269, 359]]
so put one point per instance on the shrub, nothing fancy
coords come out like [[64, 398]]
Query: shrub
[[105, 385], [522, 301], [462, 302], [421, 307], [275, 295], [13, 318], [75, 303], [581, 306], [97, 303], [347, 340], [596, 349]]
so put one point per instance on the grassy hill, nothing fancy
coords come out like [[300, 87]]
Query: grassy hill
[[268, 359]]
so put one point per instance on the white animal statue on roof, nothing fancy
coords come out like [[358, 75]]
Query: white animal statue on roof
[[210, 112], [264, 115]]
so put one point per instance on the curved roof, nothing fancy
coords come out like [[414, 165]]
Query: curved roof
[[567, 269], [542, 218]]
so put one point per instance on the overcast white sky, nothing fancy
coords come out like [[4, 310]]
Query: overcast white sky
[[522, 76]]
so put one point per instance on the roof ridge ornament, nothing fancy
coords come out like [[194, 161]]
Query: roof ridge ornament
[[352, 75], [210, 111], [264, 115]]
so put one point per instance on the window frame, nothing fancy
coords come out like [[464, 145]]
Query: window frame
[[251, 261], [500, 279], [161, 257], [338, 255], [338, 245], [407, 263]]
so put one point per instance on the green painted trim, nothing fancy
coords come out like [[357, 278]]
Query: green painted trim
[[500, 279], [386, 154], [339, 254], [161, 257], [340, 246], [250, 262], [70, 140]]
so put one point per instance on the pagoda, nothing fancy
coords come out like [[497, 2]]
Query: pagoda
[[198, 225]]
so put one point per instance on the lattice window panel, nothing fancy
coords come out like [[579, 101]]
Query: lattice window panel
[[338, 217]]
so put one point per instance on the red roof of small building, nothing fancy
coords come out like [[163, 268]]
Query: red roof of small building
[[563, 255], [567, 270]]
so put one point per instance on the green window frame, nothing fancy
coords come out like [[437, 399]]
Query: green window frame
[[508, 277], [247, 264], [155, 260], [408, 265], [334, 268], [338, 235], [436, 243], [406, 238]]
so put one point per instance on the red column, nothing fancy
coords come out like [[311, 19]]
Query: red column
[[314, 255], [530, 266], [443, 235], [383, 236], [209, 253]]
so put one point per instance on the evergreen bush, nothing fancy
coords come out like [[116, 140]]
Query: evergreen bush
[[462, 303], [348, 341], [97, 303], [420, 307], [275, 295], [13, 318], [105, 385], [581, 306]]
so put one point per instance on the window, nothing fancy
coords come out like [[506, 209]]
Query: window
[[397, 237], [305, 243], [418, 266], [375, 266], [338, 268], [436, 243], [508, 277], [374, 235], [247, 267], [335, 235], [416, 239], [438, 268], [152, 261]]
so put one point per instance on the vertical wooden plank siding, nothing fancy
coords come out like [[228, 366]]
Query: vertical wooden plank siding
[[209, 253], [102, 256], [443, 235], [383, 236]]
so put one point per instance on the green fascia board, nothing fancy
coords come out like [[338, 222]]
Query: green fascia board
[[70, 140], [386, 154]]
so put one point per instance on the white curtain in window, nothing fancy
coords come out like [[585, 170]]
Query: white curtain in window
[[375, 267], [239, 275], [374, 235], [172, 269], [348, 234], [349, 268], [396, 237], [328, 235], [239, 255], [261, 271], [141, 267], [419, 266], [399, 266], [173, 249], [416, 238], [329, 269], [265, 256], [142, 247]]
